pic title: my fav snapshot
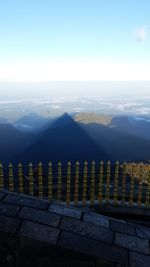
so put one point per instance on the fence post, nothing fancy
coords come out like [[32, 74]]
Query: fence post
[[100, 185], [85, 174], [76, 184], [59, 183], [40, 179], [92, 183], [131, 192], [50, 177], [107, 182], [20, 176], [116, 182], [147, 201], [123, 199], [1, 177], [30, 179], [68, 183], [11, 179], [139, 202]]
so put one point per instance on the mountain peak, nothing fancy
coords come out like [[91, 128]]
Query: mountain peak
[[62, 120]]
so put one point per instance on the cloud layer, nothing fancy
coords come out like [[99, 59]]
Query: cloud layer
[[141, 34]]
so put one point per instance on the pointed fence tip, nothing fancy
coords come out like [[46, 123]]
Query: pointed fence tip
[[19, 165]]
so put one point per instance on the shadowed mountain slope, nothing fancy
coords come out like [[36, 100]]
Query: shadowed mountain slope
[[137, 126], [33, 123], [64, 141], [133, 126], [81, 137], [12, 142], [118, 139]]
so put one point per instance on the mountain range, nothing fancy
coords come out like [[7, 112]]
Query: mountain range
[[81, 136]]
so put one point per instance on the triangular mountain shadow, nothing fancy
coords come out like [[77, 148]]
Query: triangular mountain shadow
[[64, 140], [62, 121]]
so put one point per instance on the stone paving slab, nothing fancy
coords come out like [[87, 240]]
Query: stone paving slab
[[123, 228], [131, 242], [26, 201], [40, 216], [96, 219], [93, 247], [143, 232], [63, 210], [2, 195], [87, 229], [104, 263], [39, 232], [120, 265], [139, 260], [8, 210], [9, 225]]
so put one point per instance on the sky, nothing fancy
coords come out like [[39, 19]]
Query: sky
[[75, 89], [74, 40]]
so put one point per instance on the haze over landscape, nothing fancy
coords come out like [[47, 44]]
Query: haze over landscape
[[47, 119]]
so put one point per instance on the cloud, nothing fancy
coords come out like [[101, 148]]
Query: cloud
[[141, 34], [55, 107]]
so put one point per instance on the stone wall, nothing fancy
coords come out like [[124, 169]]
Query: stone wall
[[35, 232]]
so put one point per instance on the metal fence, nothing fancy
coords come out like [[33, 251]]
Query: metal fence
[[88, 183]]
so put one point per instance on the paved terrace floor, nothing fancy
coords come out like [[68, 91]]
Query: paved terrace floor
[[35, 232]]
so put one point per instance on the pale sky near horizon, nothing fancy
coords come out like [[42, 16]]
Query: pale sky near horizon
[[75, 89], [43, 40]]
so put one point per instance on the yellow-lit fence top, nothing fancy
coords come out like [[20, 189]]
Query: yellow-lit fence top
[[128, 184]]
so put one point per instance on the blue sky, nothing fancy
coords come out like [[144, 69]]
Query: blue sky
[[44, 40]]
